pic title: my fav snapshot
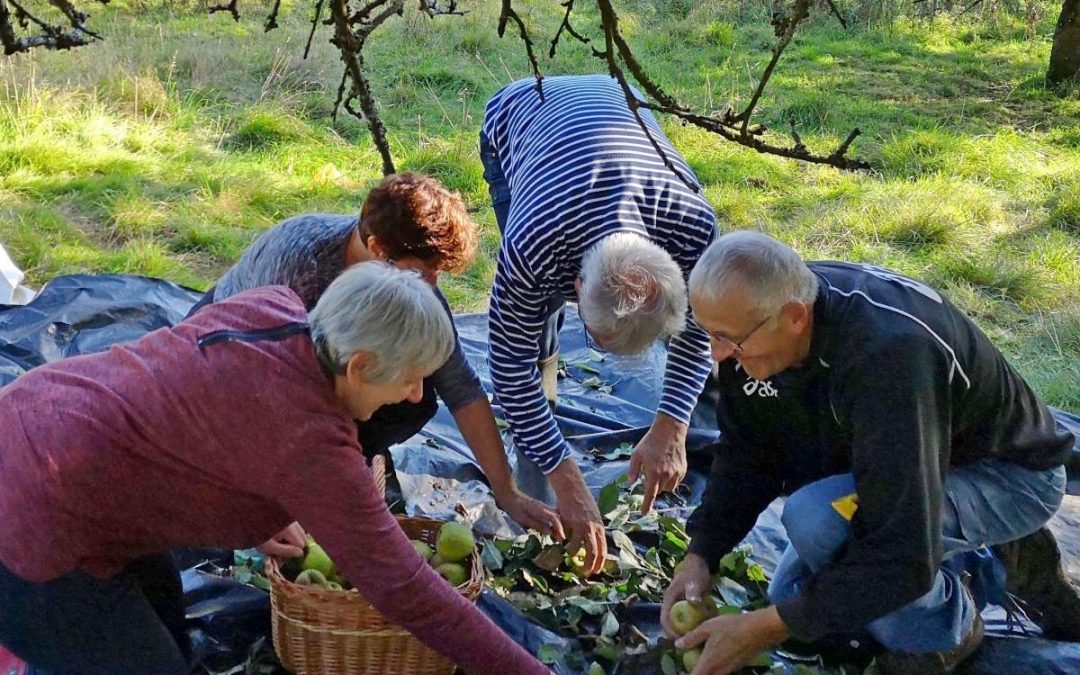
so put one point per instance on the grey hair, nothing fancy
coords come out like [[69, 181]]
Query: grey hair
[[632, 293], [389, 312], [769, 271]]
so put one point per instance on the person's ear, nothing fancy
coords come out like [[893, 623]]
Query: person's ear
[[577, 285], [795, 316], [376, 247], [358, 367]]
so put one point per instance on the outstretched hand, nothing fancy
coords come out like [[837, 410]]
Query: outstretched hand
[[661, 456]]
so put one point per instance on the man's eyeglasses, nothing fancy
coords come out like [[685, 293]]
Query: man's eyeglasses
[[737, 346]]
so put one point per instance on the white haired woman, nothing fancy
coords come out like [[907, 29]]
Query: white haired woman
[[219, 431]]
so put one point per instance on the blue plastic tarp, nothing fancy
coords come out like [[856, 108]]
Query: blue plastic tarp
[[82, 314]]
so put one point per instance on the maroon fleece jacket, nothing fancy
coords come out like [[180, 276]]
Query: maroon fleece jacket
[[163, 443]]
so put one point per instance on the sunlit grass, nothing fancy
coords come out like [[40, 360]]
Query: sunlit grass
[[167, 148]]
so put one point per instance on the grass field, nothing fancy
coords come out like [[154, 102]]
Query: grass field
[[167, 148]]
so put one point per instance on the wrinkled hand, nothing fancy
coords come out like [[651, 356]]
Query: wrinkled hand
[[532, 513], [289, 543], [690, 582], [733, 641], [580, 516], [661, 454]]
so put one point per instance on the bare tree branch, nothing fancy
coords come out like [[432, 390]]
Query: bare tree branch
[[613, 41], [568, 27], [433, 9], [51, 37], [508, 14], [350, 34], [732, 127], [231, 8], [314, 25], [836, 12], [271, 21]]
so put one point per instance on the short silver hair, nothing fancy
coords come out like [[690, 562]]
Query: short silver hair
[[770, 272], [632, 293], [391, 313]]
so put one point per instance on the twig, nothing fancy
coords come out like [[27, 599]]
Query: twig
[[970, 7], [613, 41], [230, 8], [839, 16], [432, 8], [566, 25], [350, 34], [271, 21], [729, 126], [508, 14], [50, 37], [314, 25]]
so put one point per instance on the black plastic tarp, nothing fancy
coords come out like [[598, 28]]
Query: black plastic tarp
[[82, 314]]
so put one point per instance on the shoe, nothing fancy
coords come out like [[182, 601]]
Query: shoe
[[1035, 577], [932, 663]]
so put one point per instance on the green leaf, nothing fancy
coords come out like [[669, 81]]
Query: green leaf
[[548, 654], [667, 664], [609, 498], [755, 573], [610, 627], [491, 556], [605, 648], [551, 558], [592, 607]]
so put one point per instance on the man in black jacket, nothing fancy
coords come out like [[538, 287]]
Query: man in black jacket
[[907, 445]]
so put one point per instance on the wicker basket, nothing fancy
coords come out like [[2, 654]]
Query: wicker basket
[[322, 632]]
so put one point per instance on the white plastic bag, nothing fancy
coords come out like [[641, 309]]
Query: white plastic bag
[[12, 292]]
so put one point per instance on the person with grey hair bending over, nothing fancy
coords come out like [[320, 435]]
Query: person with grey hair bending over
[[907, 445], [410, 220], [588, 210], [219, 431]]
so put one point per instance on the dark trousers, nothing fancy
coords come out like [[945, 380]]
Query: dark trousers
[[78, 624], [499, 189]]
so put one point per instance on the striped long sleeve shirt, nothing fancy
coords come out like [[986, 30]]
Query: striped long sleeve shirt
[[579, 168]]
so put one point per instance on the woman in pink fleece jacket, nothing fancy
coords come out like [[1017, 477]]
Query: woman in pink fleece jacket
[[220, 431]]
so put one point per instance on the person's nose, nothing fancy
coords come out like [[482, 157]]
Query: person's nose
[[722, 350]]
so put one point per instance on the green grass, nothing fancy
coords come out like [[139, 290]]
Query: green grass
[[167, 148]]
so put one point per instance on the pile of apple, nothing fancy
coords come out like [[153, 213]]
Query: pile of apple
[[453, 544]]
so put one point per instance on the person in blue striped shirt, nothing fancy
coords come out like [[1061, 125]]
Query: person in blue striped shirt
[[588, 211]]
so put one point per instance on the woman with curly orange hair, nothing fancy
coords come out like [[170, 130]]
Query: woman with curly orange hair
[[412, 221]]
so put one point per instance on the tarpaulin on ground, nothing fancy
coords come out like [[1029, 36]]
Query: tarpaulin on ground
[[603, 402]]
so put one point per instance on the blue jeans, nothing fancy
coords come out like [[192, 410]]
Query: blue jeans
[[987, 503], [499, 189], [128, 624]]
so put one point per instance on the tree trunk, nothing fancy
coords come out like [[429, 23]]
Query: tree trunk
[[1065, 54]]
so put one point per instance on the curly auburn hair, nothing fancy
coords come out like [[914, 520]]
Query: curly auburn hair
[[413, 215]]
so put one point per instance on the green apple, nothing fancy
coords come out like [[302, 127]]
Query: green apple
[[436, 560], [690, 658], [423, 549], [685, 616], [453, 572], [311, 578], [576, 563], [334, 586], [315, 558], [455, 542]]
